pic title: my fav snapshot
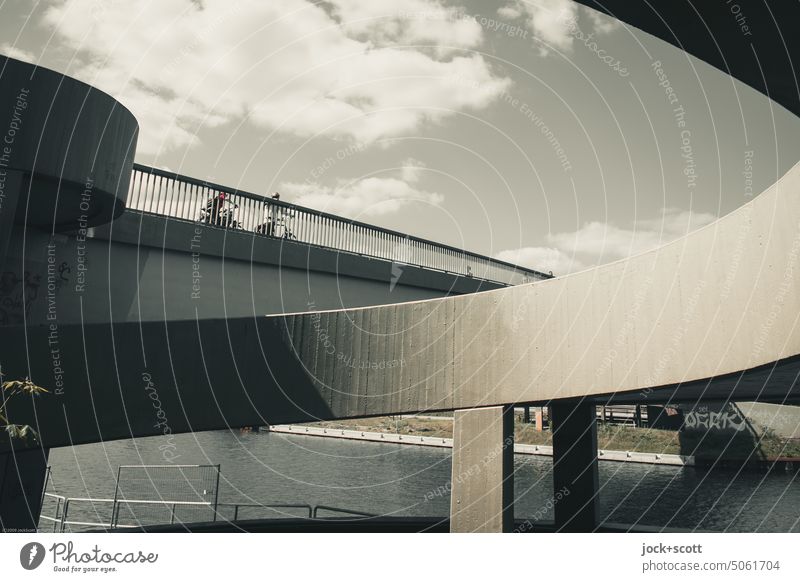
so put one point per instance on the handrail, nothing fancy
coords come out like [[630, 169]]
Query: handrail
[[157, 191], [236, 507], [340, 510], [60, 521], [162, 466], [155, 502]]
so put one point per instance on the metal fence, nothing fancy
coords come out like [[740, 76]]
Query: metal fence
[[158, 192], [73, 514], [153, 495], [143, 492]]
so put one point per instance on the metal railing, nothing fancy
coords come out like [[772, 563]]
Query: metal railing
[[61, 521], [159, 192], [339, 511], [307, 508]]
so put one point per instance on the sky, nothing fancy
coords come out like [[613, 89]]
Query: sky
[[538, 132]]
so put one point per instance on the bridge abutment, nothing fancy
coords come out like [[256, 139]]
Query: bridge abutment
[[576, 480], [22, 481], [482, 496]]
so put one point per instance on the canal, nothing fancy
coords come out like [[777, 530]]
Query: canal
[[404, 480]]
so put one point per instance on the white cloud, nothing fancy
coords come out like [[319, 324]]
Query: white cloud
[[607, 241], [601, 23], [411, 22], [600, 242], [373, 196], [510, 12], [542, 259], [549, 20], [411, 170], [17, 53], [288, 65]]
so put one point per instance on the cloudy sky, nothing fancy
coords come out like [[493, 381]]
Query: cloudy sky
[[539, 132]]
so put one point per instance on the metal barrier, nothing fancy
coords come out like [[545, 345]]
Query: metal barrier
[[158, 192], [61, 522], [318, 508], [236, 507], [171, 488], [60, 519]]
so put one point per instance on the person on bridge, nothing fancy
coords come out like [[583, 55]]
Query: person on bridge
[[214, 208], [271, 220]]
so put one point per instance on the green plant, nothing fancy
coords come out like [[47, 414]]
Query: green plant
[[11, 389]]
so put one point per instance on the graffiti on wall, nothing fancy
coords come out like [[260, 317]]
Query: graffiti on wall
[[17, 294], [704, 417]]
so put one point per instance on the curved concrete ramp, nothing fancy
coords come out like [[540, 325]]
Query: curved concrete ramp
[[711, 315]]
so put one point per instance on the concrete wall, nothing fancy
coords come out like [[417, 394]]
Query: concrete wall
[[68, 137], [783, 421], [149, 268]]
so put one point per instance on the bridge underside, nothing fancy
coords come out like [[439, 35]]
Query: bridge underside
[[247, 372]]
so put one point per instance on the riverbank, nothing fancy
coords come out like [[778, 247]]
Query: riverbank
[[616, 442], [445, 442]]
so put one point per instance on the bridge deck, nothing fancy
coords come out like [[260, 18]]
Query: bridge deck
[[159, 192]]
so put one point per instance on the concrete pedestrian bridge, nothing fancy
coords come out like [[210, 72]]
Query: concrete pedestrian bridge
[[327, 318]]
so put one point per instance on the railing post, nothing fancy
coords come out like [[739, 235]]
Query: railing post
[[56, 517], [114, 514], [64, 515], [216, 494]]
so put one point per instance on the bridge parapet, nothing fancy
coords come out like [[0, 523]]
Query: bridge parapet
[[165, 193]]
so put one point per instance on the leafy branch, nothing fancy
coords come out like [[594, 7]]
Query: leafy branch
[[11, 389]]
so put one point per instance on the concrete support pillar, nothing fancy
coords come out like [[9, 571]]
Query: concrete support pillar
[[575, 474], [526, 414], [482, 497], [22, 481]]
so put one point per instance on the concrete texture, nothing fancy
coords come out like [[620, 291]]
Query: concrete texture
[[149, 268], [69, 135], [783, 421], [482, 496]]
